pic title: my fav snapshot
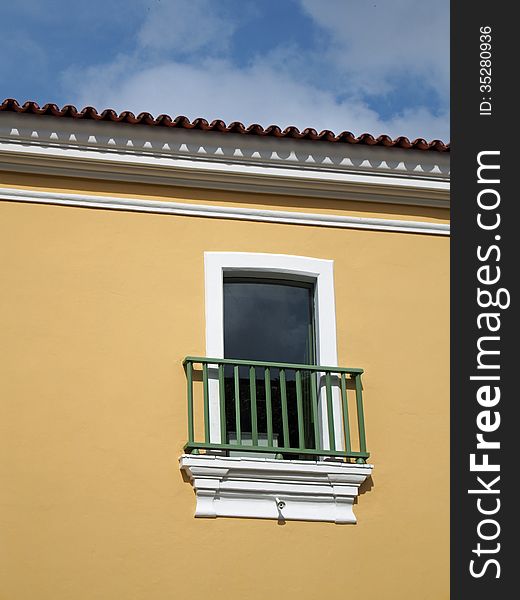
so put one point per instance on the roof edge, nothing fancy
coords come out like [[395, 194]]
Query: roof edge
[[182, 122]]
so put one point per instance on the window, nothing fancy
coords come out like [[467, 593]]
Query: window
[[276, 279], [270, 321]]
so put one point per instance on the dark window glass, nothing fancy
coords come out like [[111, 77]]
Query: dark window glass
[[268, 320], [272, 321]]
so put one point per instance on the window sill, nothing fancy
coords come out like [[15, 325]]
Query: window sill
[[266, 488]]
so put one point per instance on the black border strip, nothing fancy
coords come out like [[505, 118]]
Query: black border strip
[[483, 237]]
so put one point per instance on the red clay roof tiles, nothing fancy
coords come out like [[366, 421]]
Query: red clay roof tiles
[[144, 118]]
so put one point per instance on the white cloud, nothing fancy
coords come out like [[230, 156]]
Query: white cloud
[[279, 87], [259, 94], [185, 27], [420, 122], [374, 42]]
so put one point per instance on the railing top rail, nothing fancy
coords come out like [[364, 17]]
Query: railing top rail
[[275, 449], [256, 363]]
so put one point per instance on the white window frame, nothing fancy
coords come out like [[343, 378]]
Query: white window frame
[[320, 272]]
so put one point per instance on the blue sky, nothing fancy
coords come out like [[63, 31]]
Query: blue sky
[[376, 66]]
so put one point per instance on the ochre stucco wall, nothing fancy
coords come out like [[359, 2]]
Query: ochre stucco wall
[[98, 310]]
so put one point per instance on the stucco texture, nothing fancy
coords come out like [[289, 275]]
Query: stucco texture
[[98, 310]]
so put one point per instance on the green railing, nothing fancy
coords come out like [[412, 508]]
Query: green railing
[[281, 409]]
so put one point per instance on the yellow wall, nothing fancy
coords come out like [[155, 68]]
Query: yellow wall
[[98, 310]]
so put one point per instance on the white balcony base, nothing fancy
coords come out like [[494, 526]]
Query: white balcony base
[[266, 488]]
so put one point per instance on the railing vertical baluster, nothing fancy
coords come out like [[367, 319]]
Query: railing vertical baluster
[[346, 426], [360, 414], [283, 398], [206, 401], [315, 411], [299, 408], [330, 414], [189, 377], [222, 404], [236, 375], [254, 414], [280, 431], [268, 406]]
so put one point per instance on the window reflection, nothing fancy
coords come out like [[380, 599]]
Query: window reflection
[[271, 321]]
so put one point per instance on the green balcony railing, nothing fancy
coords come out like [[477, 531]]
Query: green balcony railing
[[278, 409]]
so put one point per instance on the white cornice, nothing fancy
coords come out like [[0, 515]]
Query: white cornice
[[265, 488], [210, 160], [222, 212]]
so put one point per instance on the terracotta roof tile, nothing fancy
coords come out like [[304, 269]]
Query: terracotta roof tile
[[144, 118]]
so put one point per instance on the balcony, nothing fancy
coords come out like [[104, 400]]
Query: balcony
[[275, 410], [274, 440]]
